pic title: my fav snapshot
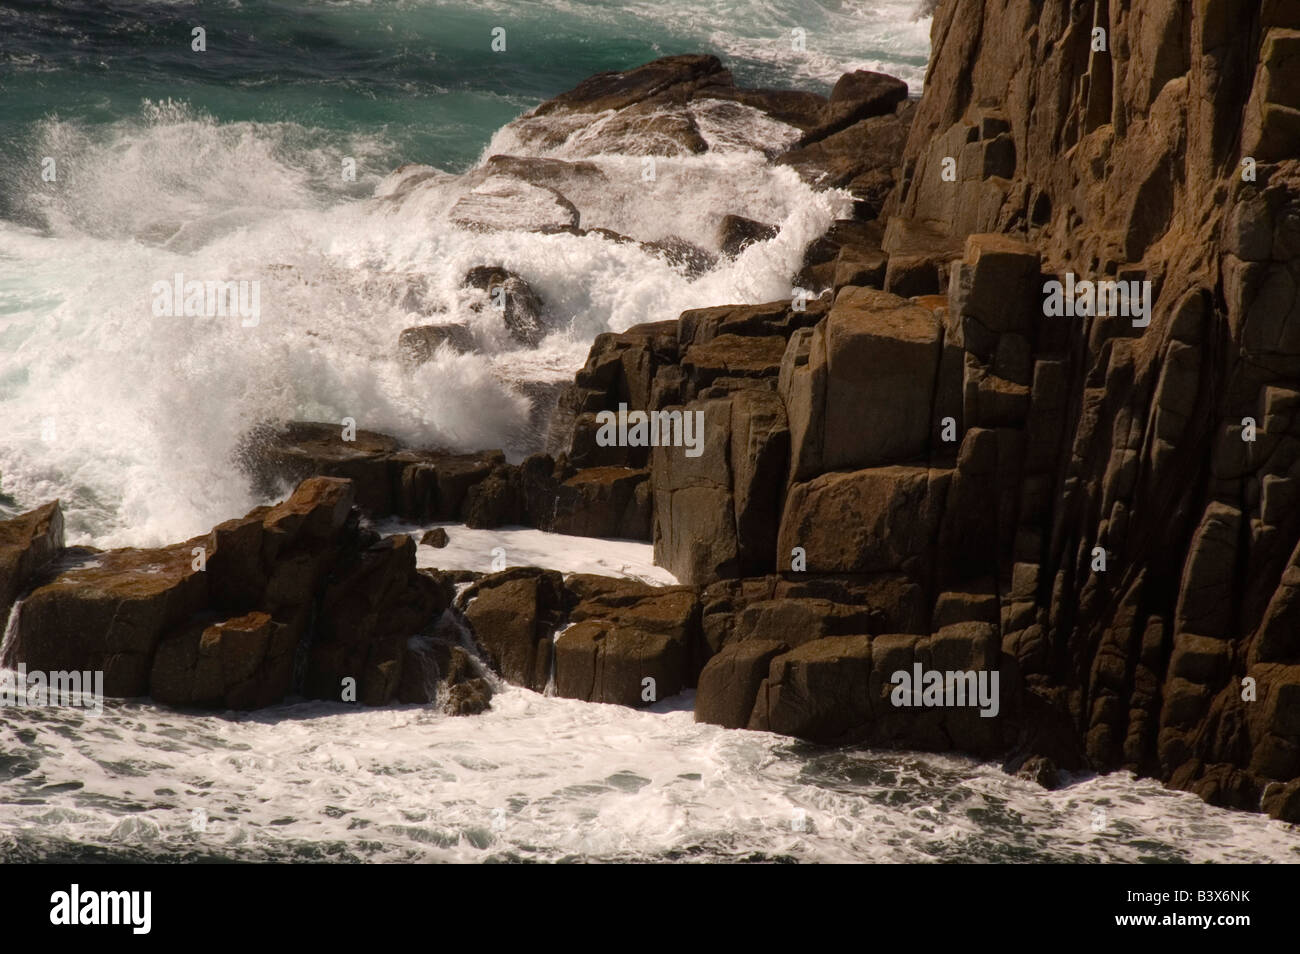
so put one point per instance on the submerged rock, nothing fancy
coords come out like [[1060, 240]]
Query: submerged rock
[[738, 233], [683, 255], [514, 298], [417, 345], [437, 538]]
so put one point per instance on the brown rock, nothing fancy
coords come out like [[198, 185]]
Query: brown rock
[[694, 509], [437, 538], [27, 543], [240, 663], [866, 521], [417, 345], [730, 681], [513, 615], [818, 692], [604, 502], [519, 306]]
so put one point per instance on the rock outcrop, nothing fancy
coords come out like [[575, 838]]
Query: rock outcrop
[[290, 599]]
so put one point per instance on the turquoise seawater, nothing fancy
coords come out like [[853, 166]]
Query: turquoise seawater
[[420, 74]]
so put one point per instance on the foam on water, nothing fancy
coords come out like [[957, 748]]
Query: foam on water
[[547, 779]]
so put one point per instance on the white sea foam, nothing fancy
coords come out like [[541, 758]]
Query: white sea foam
[[547, 778], [468, 549]]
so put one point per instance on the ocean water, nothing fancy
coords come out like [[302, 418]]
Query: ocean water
[[227, 164]]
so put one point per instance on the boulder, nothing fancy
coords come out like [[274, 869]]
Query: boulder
[[110, 615], [545, 172], [619, 89], [694, 510], [864, 396], [513, 615], [627, 642], [869, 148], [604, 502], [730, 681], [685, 256], [701, 326], [437, 538], [112, 612], [819, 692], [27, 543], [240, 663], [867, 521], [503, 203], [856, 96], [388, 479], [417, 345], [514, 298], [374, 602], [738, 233]]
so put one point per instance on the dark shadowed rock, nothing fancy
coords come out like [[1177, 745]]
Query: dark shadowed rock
[[437, 538], [27, 543], [819, 692], [618, 90], [870, 146], [730, 681], [856, 96], [240, 663], [738, 233], [627, 643], [513, 298], [513, 615]]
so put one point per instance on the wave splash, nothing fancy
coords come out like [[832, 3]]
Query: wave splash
[[134, 420]]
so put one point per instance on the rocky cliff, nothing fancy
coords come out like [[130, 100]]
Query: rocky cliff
[[1102, 506], [1161, 142]]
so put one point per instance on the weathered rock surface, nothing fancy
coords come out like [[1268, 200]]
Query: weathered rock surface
[[225, 620], [599, 639], [418, 344], [27, 543], [505, 203]]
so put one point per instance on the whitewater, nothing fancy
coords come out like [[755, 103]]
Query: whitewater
[[134, 422]]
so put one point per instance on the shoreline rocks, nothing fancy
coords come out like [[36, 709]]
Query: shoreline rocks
[[918, 468]]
